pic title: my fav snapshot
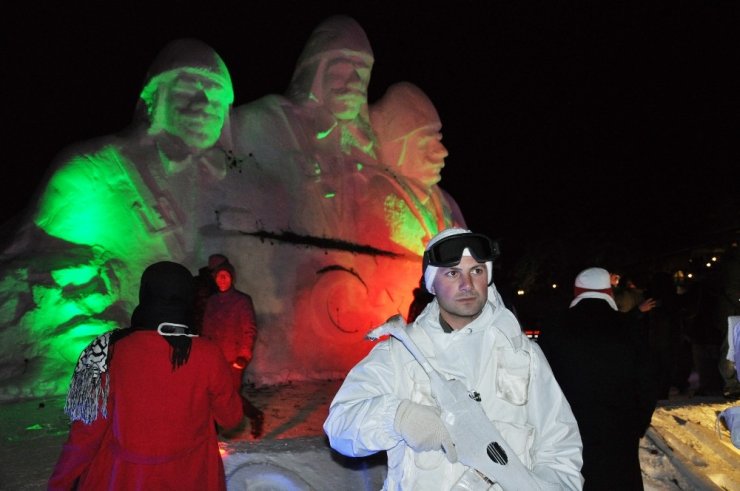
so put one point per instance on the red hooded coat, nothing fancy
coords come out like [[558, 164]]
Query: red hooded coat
[[159, 429]]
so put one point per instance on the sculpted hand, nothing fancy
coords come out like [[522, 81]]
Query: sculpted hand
[[422, 429]]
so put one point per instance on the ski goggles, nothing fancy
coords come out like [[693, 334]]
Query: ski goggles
[[448, 251]]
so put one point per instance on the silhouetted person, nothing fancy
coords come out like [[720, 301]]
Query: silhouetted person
[[601, 363], [705, 337], [664, 334], [627, 294]]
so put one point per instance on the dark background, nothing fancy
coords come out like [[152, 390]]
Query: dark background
[[579, 133]]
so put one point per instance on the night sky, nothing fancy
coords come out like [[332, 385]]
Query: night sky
[[566, 124]]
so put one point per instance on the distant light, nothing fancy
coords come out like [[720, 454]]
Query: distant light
[[690, 275], [554, 285], [709, 265], [520, 292], [714, 259], [532, 333]]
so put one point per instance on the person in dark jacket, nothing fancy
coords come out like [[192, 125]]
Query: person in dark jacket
[[229, 321], [205, 286], [665, 329], [602, 366]]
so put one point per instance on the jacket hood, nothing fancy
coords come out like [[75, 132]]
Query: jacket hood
[[494, 312]]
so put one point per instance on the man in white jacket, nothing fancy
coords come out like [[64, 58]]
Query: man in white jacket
[[466, 333]]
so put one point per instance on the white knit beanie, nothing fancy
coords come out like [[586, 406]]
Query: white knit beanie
[[594, 283], [431, 271]]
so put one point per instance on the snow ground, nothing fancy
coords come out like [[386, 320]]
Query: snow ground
[[687, 432], [683, 449]]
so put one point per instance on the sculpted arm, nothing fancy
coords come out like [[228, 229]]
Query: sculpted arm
[[67, 201]]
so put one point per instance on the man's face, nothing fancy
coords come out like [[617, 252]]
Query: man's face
[[345, 86], [223, 280], [424, 156], [461, 291], [614, 279], [195, 108]]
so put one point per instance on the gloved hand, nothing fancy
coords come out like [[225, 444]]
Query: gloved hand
[[423, 429]]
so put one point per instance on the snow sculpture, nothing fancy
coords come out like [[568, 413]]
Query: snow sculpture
[[316, 140], [289, 187], [109, 208], [405, 202], [328, 276]]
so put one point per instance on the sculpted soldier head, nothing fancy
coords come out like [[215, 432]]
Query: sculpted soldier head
[[187, 94], [409, 135]]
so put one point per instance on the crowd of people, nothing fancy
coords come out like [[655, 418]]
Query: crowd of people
[[599, 366], [567, 410], [685, 325]]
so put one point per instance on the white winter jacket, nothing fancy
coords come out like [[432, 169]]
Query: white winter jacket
[[490, 356]]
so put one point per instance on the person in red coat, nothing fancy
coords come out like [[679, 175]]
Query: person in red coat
[[229, 321], [143, 400]]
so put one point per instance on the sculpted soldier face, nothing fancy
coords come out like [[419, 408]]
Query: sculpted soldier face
[[195, 107], [345, 85], [424, 155]]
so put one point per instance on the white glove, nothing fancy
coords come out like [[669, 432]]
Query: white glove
[[423, 429]]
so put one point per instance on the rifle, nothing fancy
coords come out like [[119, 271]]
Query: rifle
[[478, 443]]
